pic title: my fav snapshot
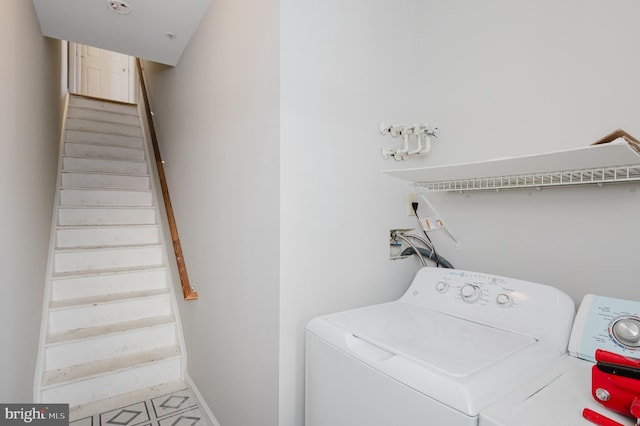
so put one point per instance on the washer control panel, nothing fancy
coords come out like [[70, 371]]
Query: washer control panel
[[494, 300], [606, 323], [481, 289]]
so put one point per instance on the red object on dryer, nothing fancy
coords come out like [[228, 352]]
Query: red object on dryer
[[615, 383], [599, 419]]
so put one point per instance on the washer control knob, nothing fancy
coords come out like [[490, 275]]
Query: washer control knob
[[627, 331], [470, 293], [442, 287], [503, 300]]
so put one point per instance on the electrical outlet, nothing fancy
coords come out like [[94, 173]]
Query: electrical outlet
[[397, 245], [412, 197]]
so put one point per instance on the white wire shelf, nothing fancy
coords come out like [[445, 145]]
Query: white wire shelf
[[612, 162], [538, 180]]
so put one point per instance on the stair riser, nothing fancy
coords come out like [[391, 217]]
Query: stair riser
[[121, 382], [100, 151], [72, 164], [108, 346], [106, 216], [91, 260], [106, 236], [104, 181], [70, 318], [101, 127], [103, 116], [79, 197], [74, 136], [103, 284], [77, 102]]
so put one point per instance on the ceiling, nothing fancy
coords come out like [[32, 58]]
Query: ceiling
[[156, 30]]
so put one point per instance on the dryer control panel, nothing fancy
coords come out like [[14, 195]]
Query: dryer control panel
[[606, 323]]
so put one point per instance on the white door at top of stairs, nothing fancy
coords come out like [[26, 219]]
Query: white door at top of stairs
[[105, 74]]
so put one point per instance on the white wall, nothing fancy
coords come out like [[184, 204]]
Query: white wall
[[30, 108], [499, 78], [217, 121]]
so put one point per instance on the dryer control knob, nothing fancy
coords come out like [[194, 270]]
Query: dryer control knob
[[627, 331], [470, 293]]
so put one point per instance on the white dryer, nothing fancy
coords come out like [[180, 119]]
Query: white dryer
[[560, 395], [454, 343]]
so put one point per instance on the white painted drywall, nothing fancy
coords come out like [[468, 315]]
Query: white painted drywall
[[510, 78], [217, 116], [30, 108]]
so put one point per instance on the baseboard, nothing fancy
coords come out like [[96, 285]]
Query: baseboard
[[203, 405]]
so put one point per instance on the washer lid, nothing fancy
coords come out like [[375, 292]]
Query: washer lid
[[450, 345]]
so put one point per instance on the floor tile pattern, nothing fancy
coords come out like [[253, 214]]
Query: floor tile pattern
[[175, 409]]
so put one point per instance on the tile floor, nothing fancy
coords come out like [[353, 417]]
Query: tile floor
[[178, 408]]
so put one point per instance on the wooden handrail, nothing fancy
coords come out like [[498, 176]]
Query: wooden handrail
[[188, 292]]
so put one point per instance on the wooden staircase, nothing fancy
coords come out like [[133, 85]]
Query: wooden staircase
[[110, 324]]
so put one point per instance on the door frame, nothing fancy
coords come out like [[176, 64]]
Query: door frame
[[75, 75]]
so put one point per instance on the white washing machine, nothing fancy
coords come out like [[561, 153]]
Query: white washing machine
[[454, 343], [559, 395]]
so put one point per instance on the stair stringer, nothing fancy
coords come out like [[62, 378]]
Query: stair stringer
[[48, 281], [163, 228]]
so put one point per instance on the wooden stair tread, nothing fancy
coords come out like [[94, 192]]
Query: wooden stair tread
[[107, 366], [109, 271], [98, 248], [107, 298], [111, 226], [117, 328]]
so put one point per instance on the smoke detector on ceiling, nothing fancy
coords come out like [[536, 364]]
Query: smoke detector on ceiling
[[119, 7]]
